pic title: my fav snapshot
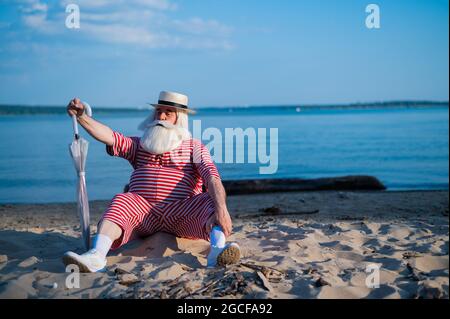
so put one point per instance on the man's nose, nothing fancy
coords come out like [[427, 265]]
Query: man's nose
[[161, 116]]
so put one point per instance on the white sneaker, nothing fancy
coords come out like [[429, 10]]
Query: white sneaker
[[212, 256], [230, 254], [90, 261]]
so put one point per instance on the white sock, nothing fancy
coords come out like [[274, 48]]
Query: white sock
[[102, 244], [217, 237]]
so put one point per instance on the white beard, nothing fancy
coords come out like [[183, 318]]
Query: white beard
[[161, 137]]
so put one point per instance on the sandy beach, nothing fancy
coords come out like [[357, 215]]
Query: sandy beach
[[294, 245]]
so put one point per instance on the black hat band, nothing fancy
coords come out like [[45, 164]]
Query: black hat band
[[162, 102]]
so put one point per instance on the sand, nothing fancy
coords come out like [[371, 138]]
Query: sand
[[295, 245]]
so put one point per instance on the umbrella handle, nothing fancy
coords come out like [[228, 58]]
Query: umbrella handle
[[75, 126], [88, 111], [88, 108]]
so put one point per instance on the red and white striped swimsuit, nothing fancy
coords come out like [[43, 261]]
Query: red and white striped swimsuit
[[165, 191]]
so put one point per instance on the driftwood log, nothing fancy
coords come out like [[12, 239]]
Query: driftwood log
[[352, 183]]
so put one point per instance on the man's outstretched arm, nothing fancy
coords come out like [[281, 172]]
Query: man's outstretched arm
[[222, 217], [97, 130]]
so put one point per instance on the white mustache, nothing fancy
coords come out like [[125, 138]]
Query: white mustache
[[165, 124], [162, 136]]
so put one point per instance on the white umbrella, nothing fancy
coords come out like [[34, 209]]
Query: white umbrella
[[78, 150]]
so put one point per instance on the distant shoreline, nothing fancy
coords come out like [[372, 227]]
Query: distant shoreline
[[36, 110]]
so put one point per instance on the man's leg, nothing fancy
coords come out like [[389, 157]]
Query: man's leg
[[108, 232], [110, 229], [188, 218], [124, 214]]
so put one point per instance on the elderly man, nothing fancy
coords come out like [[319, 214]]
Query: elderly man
[[165, 188]]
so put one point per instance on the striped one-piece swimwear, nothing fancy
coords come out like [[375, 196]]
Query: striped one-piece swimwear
[[165, 191]]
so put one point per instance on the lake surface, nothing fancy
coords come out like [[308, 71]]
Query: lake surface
[[406, 148]]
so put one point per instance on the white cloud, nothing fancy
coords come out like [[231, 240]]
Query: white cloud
[[35, 14], [35, 20], [115, 17], [117, 33], [39, 22], [121, 34], [143, 23], [90, 4], [33, 6], [157, 4]]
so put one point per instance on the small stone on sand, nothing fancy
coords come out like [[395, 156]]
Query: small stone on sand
[[29, 262], [128, 279]]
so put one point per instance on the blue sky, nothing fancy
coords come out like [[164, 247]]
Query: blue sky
[[223, 53]]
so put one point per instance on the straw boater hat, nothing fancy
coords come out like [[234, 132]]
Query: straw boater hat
[[174, 100]]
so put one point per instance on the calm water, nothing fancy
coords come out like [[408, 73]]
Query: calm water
[[404, 148]]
